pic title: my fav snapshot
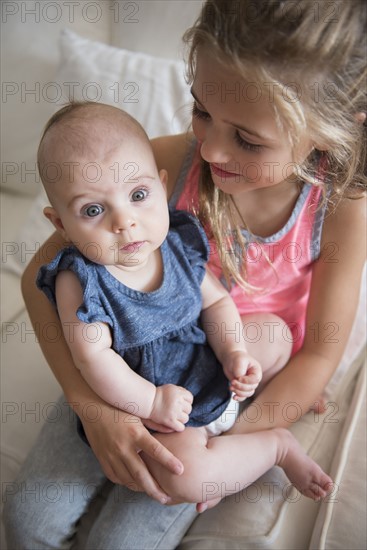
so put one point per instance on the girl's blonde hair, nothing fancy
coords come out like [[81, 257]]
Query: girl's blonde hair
[[311, 57]]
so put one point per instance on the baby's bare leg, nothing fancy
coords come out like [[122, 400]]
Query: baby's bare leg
[[303, 472], [219, 466]]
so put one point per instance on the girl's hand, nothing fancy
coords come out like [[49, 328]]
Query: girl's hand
[[171, 407], [244, 374], [117, 439]]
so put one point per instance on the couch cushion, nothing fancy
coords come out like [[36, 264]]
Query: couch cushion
[[334, 525], [11, 303], [15, 252], [28, 390]]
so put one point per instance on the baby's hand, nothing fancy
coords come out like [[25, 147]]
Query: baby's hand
[[244, 374], [171, 407]]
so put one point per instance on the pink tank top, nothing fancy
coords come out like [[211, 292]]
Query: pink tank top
[[284, 280]]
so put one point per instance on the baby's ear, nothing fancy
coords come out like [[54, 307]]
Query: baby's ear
[[52, 215], [163, 175]]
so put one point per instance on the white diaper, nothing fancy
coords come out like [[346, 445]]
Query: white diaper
[[225, 421]]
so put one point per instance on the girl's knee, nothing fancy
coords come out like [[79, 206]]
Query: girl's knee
[[280, 335], [36, 515], [268, 339], [17, 517], [265, 328]]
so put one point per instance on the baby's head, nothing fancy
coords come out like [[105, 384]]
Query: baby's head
[[80, 135], [308, 58], [98, 170]]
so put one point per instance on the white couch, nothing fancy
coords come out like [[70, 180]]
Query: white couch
[[39, 66]]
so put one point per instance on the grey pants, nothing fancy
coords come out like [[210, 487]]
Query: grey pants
[[61, 499]]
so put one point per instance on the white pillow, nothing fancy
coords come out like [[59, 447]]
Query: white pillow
[[151, 89]]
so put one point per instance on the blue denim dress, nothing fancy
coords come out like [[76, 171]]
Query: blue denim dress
[[157, 333]]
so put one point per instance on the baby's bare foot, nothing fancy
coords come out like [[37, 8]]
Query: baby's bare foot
[[303, 472]]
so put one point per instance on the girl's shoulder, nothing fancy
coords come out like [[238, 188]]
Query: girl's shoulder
[[346, 214], [345, 227], [170, 153]]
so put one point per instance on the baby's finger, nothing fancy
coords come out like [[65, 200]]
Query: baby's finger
[[241, 396], [179, 426], [188, 396], [183, 418], [187, 408], [240, 368], [255, 370], [184, 395], [250, 379], [240, 386]]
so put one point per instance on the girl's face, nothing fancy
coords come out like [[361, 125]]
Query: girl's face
[[234, 121]]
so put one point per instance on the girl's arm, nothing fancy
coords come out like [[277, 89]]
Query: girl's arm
[[331, 309], [222, 324], [105, 370], [116, 437]]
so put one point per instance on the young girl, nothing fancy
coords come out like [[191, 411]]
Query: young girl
[[119, 279], [278, 123]]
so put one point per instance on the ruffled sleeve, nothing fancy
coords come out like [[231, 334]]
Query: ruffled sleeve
[[193, 238], [69, 259]]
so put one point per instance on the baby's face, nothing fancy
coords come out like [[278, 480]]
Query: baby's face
[[112, 205]]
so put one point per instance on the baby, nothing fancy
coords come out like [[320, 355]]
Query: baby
[[141, 312]]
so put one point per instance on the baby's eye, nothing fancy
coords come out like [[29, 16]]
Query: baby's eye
[[139, 195], [93, 210]]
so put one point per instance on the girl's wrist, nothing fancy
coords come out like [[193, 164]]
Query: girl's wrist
[[80, 396]]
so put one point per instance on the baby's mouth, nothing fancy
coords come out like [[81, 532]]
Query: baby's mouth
[[133, 246]]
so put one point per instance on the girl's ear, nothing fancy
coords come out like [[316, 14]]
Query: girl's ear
[[52, 215], [360, 117]]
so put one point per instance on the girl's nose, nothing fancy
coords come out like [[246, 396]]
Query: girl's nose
[[215, 147]]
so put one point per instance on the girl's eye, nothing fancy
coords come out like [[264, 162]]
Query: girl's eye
[[198, 113], [246, 144], [93, 210], [139, 195]]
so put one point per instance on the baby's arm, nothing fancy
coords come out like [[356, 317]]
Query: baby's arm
[[105, 370], [223, 326]]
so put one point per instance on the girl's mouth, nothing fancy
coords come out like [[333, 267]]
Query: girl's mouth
[[222, 173]]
